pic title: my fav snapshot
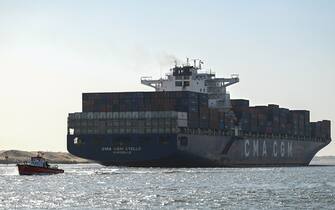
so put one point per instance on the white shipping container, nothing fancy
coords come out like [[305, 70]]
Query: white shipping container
[[96, 115], [148, 115], [116, 115], [102, 115], [109, 115], [181, 123], [128, 115], [122, 115], [182, 115], [135, 115], [141, 115], [90, 115]]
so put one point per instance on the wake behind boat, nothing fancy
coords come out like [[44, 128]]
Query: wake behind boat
[[38, 166]]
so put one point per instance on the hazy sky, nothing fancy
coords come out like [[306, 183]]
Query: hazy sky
[[52, 51]]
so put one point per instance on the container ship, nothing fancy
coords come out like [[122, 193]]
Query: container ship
[[190, 121]]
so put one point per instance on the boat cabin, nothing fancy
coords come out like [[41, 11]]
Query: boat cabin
[[39, 162]]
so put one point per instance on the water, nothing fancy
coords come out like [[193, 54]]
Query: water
[[87, 186]]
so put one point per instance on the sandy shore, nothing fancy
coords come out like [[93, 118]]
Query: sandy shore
[[17, 156]]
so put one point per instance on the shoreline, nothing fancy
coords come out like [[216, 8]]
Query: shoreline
[[18, 156]]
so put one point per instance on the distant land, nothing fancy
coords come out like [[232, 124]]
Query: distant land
[[323, 160], [17, 156]]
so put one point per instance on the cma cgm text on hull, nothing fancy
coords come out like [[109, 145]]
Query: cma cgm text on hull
[[190, 121]]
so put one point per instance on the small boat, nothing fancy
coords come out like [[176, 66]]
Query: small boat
[[38, 166]]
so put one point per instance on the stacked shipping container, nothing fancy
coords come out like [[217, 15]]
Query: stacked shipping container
[[274, 120], [126, 122], [150, 112], [320, 129], [194, 104]]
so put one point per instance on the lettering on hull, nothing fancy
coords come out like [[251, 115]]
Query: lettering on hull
[[122, 150], [265, 148]]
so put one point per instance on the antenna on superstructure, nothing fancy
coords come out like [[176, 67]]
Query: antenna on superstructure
[[187, 62], [195, 63], [200, 62], [175, 63]]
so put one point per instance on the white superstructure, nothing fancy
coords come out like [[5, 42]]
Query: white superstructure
[[192, 78]]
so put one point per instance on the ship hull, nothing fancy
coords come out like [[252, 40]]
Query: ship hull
[[186, 150], [25, 169]]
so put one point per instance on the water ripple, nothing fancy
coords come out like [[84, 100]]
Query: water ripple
[[87, 186]]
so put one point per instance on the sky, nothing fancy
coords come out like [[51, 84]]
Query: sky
[[52, 51]]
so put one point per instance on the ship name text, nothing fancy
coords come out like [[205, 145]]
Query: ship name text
[[122, 150]]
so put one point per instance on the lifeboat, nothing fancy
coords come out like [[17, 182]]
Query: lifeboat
[[38, 166]]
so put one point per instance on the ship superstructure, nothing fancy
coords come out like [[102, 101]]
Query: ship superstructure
[[190, 121], [195, 79]]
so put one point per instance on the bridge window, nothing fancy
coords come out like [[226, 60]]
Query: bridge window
[[179, 83], [186, 83]]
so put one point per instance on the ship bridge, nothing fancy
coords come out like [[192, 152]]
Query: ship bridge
[[193, 78]]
